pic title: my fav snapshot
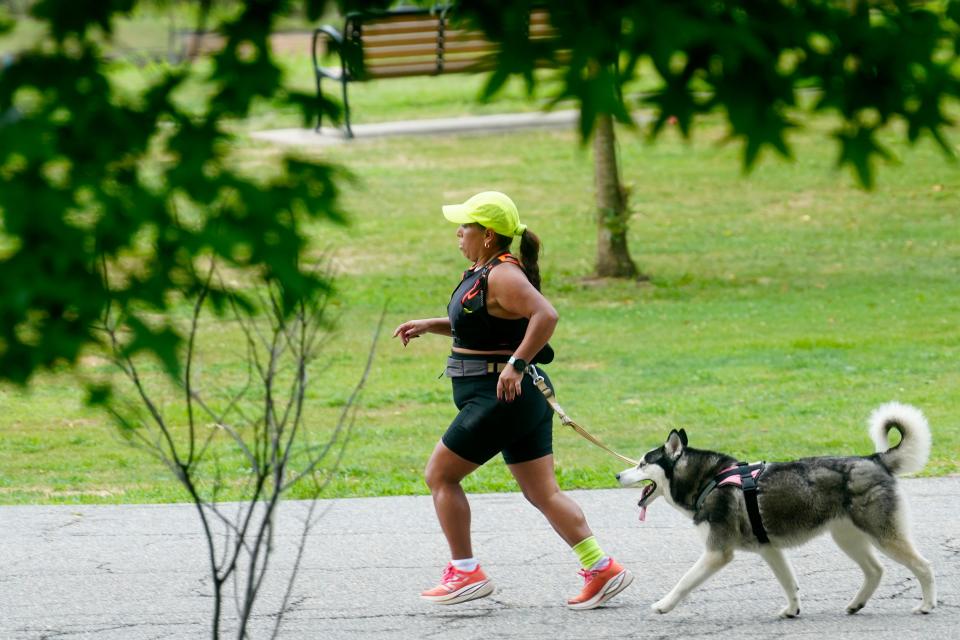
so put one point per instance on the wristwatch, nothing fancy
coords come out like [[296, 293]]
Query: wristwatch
[[517, 363]]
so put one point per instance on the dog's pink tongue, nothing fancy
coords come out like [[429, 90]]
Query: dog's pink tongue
[[643, 514]]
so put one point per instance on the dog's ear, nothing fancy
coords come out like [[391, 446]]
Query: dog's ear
[[683, 437], [675, 443]]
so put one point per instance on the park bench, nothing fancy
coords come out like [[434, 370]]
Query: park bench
[[403, 43]]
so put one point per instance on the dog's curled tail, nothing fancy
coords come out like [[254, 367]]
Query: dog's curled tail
[[913, 450]]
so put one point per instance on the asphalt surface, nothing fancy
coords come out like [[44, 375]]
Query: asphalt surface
[[461, 125], [140, 572]]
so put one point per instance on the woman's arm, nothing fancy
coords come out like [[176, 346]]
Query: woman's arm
[[510, 295], [415, 328]]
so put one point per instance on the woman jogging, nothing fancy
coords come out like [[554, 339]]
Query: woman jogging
[[500, 322]]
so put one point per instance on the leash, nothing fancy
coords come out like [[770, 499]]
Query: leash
[[565, 419]]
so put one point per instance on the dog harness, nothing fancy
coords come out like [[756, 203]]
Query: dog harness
[[744, 476]]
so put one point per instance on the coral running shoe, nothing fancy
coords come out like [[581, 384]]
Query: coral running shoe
[[599, 585], [459, 586]]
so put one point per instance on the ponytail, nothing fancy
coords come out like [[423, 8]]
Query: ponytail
[[530, 257], [529, 254]]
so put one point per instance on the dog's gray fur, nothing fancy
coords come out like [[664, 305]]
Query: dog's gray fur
[[856, 499]]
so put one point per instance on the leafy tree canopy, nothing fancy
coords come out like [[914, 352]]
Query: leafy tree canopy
[[871, 63], [87, 224]]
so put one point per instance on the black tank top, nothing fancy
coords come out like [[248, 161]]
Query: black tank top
[[472, 326]]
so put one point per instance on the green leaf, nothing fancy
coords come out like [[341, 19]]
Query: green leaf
[[68, 17], [858, 146], [494, 84], [99, 394], [315, 9], [162, 342], [953, 11], [675, 100]]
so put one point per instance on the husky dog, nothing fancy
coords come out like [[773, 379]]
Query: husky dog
[[856, 499]]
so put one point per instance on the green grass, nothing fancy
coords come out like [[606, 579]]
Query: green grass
[[781, 307]]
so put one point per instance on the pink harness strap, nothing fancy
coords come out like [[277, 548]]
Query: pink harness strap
[[735, 479], [744, 476], [732, 475]]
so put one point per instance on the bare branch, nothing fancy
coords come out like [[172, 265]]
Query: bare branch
[[267, 431], [220, 423], [350, 401], [130, 371], [188, 369]]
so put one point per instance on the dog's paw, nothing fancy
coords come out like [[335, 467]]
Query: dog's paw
[[853, 607], [662, 606], [790, 611], [923, 607]]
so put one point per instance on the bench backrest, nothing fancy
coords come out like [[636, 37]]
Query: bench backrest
[[418, 42]]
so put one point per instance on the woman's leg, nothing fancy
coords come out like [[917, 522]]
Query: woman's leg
[[443, 474], [539, 485], [603, 576]]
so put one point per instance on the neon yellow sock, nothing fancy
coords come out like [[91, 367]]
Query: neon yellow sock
[[588, 552]]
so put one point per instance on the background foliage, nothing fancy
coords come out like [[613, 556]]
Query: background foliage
[[76, 201], [747, 61], [781, 308], [78, 198]]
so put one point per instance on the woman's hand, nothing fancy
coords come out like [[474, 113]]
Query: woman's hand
[[415, 328], [508, 386], [411, 329]]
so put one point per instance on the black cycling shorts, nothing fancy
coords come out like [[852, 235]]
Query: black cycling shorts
[[521, 430]]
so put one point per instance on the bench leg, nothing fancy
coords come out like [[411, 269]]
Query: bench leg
[[346, 110], [319, 105]]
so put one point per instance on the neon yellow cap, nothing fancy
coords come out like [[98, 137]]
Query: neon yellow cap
[[490, 209]]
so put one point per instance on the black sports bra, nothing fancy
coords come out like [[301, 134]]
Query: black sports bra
[[472, 325]]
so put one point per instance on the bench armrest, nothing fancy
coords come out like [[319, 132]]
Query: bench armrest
[[332, 35]]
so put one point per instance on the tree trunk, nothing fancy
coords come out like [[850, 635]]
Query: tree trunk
[[613, 257]]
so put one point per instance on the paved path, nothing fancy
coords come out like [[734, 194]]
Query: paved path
[[139, 572], [473, 125]]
